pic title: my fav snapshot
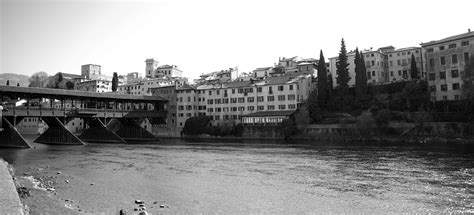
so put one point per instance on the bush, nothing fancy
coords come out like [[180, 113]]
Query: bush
[[196, 125]]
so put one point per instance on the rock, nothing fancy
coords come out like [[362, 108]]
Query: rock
[[143, 213], [136, 209], [143, 208], [141, 205], [162, 206], [92, 183], [155, 202], [138, 201], [123, 212], [59, 172], [67, 181]]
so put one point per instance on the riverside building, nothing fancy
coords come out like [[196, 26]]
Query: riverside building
[[445, 60]]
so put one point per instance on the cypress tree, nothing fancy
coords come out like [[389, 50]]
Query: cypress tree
[[330, 87], [358, 70], [363, 74], [17, 84], [413, 68], [114, 82], [322, 80], [8, 82], [342, 71]]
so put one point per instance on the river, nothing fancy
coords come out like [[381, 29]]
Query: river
[[254, 177]]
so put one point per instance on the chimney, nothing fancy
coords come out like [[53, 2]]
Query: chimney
[[468, 30]]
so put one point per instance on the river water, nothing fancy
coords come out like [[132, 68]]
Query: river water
[[256, 177]]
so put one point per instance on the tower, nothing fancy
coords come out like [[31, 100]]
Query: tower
[[151, 65], [90, 71]]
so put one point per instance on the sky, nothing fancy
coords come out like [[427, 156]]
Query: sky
[[201, 36]]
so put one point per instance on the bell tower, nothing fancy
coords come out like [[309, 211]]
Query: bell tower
[[151, 65]]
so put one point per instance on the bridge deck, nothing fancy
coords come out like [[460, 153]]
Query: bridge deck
[[86, 112]]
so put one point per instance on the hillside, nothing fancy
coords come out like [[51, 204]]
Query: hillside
[[14, 79]]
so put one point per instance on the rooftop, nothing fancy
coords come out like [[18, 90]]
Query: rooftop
[[448, 39], [76, 94]]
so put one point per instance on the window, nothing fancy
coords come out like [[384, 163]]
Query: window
[[281, 98], [431, 62], [454, 73], [233, 100], [210, 102], [466, 57], [218, 101], [442, 60], [291, 97], [431, 77], [464, 43], [260, 107], [234, 108], [250, 108], [282, 107], [271, 107], [250, 99], [241, 90], [217, 92], [241, 100], [454, 59], [444, 87], [452, 46], [373, 63], [292, 106], [233, 91], [241, 108], [270, 91], [210, 92], [391, 63], [399, 72], [373, 73], [442, 75], [225, 101], [441, 48], [180, 107], [270, 98], [280, 88], [455, 86], [391, 73], [368, 75], [433, 88], [260, 99], [291, 87], [429, 50], [218, 109], [259, 89], [456, 97]]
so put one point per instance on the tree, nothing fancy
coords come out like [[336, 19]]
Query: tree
[[363, 74], [114, 82], [196, 125], [38, 79], [17, 84], [358, 75], [413, 68], [468, 80], [330, 86], [342, 71], [69, 85], [59, 79], [322, 80], [8, 82], [416, 94]]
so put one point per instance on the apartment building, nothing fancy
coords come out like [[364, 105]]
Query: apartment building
[[228, 75], [132, 89], [170, 71], [445, 60], [376, 65], [226, 103], [399, 63]]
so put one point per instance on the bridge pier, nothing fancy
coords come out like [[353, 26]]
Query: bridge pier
[[98, 132], [130, 130], [57, 133], [10, 137]]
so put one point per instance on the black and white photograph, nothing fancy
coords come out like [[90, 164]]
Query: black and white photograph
[[149, 107]]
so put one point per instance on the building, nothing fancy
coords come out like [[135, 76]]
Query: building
[[31, 125], [226, 103], [99, 86], [170, 71], [150, 66], [168, 92], [90, 71], [133, 78], [222, 76], [131, 89], [262, 72], [445, 60], [399, 63], [266, 117]]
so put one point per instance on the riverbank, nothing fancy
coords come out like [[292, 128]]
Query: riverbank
[[9, 200]]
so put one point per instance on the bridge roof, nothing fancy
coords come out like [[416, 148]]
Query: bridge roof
[[36, 91]]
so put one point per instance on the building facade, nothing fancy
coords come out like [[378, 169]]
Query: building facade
[[168, 92], [399, 63], [445, 60], [99, 86]]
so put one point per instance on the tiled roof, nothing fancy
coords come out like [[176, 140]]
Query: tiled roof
[[270, 113], [76, 93], [447, 39]]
